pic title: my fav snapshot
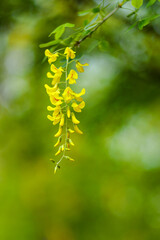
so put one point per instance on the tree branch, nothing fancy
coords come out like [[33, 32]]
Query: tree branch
[[104, 19]]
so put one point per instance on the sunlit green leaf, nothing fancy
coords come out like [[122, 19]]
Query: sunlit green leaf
[[59, 33], [59, 28], [150, 3], [146, 21], [137, 3], [52, 43], [83, 13], [93, 22]]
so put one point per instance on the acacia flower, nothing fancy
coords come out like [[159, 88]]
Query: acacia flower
[[72, 77], [78, 107], [52, 57], [80, 66], [69, 53]]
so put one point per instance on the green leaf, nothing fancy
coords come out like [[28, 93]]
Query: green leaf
[[137, 3], [52, 43], [92, 23], [150, 3], [92, 10], [96, 10], [83, 13], [59, 33], [132, 26], [144, 22], [60, 27]]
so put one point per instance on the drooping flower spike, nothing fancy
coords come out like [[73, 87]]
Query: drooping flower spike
[[64, 102]]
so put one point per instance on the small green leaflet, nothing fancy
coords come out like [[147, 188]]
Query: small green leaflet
[[52, 43], [137, 3], [150, 3], [60, 30], [92, 10], [146, 21]]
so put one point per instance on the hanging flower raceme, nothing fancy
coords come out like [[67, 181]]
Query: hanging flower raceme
[[64, 101]]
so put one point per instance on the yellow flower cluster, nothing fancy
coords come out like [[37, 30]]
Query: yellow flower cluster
[[64, 101]]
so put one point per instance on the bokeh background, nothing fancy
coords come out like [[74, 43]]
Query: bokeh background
[[112, 191]]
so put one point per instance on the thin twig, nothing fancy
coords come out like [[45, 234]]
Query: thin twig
[[104, 19]]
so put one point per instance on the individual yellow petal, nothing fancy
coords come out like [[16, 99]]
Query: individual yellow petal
[[48, 53], [80, 66], [59, 132], [58, 142], [82, 105], [55, 169], [69, 53], [49, 108], [62, 121], [69, 158], [58, 152], [53, 58], [74, 119], [49, 75], [53, 68], [50, 117], [70, 141], [68, 112], [77, 129], [70, 130]]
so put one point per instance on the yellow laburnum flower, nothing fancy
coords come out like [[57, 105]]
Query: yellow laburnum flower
[[74, 119], [59, 132], [68, 112], [57, 74], [72, 77], [78, 95], [56, 116], [55, 99], [58, 142], [51, 57], [62, 121], [77, 129], [69, 53], [68, 94], [80, 66], [51, 90], [78, 107]]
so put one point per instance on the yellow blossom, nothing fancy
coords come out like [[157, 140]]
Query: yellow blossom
[[62, 121], [58, 142], [77, 129], [55, 98], [59, 132], [69, 53], [72, 77], [74, 119], [51, 90], [68, 94], [68, 112], [57, 74], [80, 66], [51, 57], [78, 107]]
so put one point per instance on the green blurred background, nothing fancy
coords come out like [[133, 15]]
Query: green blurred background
[[112, 191]]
